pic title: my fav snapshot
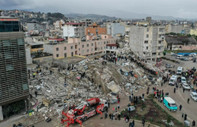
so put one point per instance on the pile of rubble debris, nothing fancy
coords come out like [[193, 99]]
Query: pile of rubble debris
[[54, 87]]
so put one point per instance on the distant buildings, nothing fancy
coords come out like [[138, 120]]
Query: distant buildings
[[74, 30], [14, 88], [58, 24], [193, 32], [34, 28], [147, 42]]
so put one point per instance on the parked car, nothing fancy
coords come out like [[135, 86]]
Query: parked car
[[183, 80], [179, 70], [169, 66], [173, 80], [194, 95], [186, 86]]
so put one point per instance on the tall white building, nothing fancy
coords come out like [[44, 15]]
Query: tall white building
[[115, 29], [74, 30], [147, 42]]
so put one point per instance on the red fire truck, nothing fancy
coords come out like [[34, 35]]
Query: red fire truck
[[84, 111]]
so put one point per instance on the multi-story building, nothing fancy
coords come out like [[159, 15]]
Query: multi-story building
[[74, 30], [76, 47], [95, 29], [58, 24], [115, 29], [13, 71], [147, 42], [178, 28]]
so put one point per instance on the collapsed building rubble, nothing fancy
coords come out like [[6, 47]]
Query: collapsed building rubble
[[56, 86]]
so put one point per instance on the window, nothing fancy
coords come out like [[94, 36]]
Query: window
[[8, 55], [154, 53], [87, 45], [159, 54], [71, 53], [159, 48], [57, 55], [161, 29], [147, 36], [65, 55], [25, 87], [64, 48], [92, 49], [146, 42], [20, 41], [159, 42], [87, 50], [57, 49], [9, 67], [147, 29], [92, 44], [82, 46], [146, 47], [6, 43], [71, 47], [104, 42]]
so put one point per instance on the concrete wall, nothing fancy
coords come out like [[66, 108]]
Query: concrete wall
[[68, 31], [115, 28], [28, 55], [48, 48]]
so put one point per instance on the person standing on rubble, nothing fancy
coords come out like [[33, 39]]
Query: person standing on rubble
[[147, 92], [175, 90], [106, 115], [36, 93]]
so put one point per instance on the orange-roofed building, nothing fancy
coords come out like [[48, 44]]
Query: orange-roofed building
[[95, 29]]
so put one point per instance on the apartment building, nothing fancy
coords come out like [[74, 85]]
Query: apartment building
[[178, 28], [73, 30], [115, 29], [147, 42], [95, 30], [14, 89], [75, 46]]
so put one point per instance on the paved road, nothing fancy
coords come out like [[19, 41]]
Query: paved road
[[181, 99]]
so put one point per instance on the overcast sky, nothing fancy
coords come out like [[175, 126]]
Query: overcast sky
[[175, 8]]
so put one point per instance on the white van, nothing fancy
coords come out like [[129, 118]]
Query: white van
[[173, 80], [179, 70]]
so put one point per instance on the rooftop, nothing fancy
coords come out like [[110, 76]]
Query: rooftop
[[72, 23], [7, 18], [180, 40]]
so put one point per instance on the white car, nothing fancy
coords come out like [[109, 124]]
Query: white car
[[194, 95], [183, 80], [186, 86]]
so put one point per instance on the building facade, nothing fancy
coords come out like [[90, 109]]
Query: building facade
[[147, 42], [74, 30], [13, 70], [76, 47], [115, 29]]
